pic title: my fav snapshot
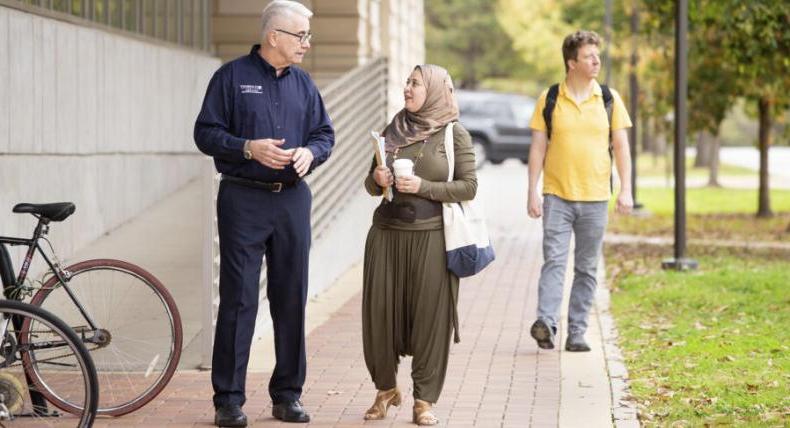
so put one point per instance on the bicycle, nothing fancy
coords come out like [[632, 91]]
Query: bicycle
[[31, 336], [126, 318]]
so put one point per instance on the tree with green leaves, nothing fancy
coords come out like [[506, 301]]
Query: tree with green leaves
[[755, 39], [466, 38], [712, 92], [739, 49]]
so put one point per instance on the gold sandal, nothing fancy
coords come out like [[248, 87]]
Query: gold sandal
[[422, 413], [384, 399]]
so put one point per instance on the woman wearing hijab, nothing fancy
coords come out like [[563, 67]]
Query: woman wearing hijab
[[409, 296]]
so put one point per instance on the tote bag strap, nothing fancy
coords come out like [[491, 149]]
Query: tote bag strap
[[449, 150]]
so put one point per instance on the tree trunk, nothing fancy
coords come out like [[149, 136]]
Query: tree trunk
[[715, 145], [765, 107], [659, 141], [703, 150], [647, 143]]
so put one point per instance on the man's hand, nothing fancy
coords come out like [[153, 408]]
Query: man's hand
[[268, 153], [534, 205], [625, 202], [302, 158], [408, 184], [383, 176]]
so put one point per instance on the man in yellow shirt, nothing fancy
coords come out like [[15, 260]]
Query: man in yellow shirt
[[577, 167]]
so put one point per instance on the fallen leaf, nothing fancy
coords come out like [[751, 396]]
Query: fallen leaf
[[699, 326]]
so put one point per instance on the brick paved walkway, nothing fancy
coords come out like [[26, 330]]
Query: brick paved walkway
[[497, 377]]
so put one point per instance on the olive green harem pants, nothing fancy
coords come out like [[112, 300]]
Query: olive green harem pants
[[408, 307]]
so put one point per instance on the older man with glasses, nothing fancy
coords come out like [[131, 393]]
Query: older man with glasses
[[264, 122]]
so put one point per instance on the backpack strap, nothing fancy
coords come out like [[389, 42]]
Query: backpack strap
[[449, 150], [608, 104], [548, 107]]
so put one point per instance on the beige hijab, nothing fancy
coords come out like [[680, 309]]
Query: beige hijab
[[440, 108]]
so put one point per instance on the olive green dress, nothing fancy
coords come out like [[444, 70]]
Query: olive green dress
[[409, 296]]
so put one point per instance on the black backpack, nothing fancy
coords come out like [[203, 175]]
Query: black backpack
[[608, 102]]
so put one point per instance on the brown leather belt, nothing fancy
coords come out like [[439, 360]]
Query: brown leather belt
[[275, 187], [410, 211]]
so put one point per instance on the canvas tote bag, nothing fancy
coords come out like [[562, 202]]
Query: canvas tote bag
[[466, 239]]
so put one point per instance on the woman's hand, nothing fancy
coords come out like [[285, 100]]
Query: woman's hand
[[408, 184], [382, 176]]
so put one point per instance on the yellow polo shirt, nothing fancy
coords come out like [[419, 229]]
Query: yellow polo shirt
[[577, 165]]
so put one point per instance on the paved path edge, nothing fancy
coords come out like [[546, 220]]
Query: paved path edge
[[624, 411]]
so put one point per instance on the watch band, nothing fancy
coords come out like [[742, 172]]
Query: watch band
[[246, 150]]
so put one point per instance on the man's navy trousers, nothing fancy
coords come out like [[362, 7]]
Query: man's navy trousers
[[254, 223]]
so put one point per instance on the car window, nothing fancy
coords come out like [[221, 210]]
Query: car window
[[486, 109], [522, 110]]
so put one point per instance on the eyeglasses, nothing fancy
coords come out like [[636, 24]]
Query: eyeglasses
[[303, 38]]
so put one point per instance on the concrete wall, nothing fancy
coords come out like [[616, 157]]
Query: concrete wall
[[337, 26], [94, 118], [347, 33], [403, 41]]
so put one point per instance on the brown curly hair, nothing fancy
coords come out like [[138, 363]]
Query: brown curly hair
[[573, 42]]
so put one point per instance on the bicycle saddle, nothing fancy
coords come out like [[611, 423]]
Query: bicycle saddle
[[54, 212]]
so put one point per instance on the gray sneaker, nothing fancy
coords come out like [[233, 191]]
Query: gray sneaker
[[576, 343], [544, 334]]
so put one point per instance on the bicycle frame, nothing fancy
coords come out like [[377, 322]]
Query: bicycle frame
[[32, 245]]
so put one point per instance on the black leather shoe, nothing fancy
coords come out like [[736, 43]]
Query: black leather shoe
[[230, 416], [290, 412], [576, 343], [543, 334]]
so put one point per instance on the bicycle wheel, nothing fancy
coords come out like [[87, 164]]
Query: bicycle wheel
[[138, 342], [32, 336]]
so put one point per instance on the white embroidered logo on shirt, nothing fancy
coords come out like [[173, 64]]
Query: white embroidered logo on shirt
[[251, 89]]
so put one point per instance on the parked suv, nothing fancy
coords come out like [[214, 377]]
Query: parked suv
[[498, 123]]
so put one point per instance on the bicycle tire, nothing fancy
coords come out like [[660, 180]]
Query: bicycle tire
[[159, 304], [27, 347]]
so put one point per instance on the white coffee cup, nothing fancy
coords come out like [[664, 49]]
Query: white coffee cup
[[403, 167]]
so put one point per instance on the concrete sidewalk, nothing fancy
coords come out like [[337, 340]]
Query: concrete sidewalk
[[497, 376]]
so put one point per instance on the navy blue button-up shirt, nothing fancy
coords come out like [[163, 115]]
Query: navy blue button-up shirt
[[246, 100]]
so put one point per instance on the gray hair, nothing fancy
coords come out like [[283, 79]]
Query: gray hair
[[279, 9]]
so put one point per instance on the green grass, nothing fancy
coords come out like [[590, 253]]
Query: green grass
[[712, 213], [710, 200], [708, 347], [648, 165]]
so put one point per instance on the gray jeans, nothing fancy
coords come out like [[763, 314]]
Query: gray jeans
[[587, 221]]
